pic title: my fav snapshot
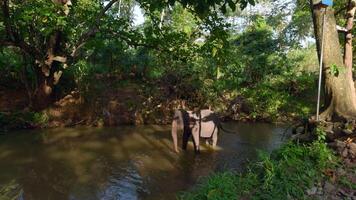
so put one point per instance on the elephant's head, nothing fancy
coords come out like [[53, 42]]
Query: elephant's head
[[199, 124], [182, 120]]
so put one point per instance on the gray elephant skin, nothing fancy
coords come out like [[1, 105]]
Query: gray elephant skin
[[199, 124]]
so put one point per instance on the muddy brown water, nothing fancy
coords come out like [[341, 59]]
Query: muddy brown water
[[119, 163]]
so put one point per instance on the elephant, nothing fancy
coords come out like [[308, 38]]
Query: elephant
[[200, 124]]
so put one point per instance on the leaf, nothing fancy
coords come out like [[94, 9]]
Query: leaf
[[223, 9], [214, 51], [212, 194], [232, 5], [243, 5], [252, 2], [336, 70]]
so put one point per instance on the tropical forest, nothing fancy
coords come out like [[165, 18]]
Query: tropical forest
[[177, 99]]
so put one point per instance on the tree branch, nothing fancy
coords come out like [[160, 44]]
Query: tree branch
[[6, 43], [348, 54], [341, 29], [132, 42], [91, 31], [6, 14], [13, 38]]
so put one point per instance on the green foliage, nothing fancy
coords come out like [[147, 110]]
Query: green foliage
[[219, 186], [195, 56], [336, 70], [347, 183], [10, 191], [287, 173], [22, 120], [321, 135], [274, 96], [201, 8]]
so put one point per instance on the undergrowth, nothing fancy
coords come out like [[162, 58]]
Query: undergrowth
[[285, 174], [22, 120]]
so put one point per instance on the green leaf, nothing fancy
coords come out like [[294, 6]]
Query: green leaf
[[214, 51], [223, 9], [243, 5], [252, 2], [232, 5], [336, 70]]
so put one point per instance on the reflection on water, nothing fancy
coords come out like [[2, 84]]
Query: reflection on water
[[118, 163]]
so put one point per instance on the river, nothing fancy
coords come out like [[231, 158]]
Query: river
[[119, 163]]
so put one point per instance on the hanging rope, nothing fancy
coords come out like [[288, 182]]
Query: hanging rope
[[321, 65]]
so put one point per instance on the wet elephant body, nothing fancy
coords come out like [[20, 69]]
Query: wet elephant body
[[200, 124]]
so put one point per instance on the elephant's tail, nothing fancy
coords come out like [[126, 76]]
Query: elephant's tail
[[225, 130]]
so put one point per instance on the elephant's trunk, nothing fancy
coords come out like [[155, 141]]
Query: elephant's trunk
[[174, 135]]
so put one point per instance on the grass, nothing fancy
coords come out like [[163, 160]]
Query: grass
[[285, 174]]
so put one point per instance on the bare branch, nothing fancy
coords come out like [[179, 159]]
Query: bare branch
[[107, 7], [341, 29], [6, 43], [60, 59]]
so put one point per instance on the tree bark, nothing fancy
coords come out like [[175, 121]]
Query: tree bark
[[42, 97], [340, 95], [348, 35]]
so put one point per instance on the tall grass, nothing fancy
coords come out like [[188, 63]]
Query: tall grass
[[285, 174]]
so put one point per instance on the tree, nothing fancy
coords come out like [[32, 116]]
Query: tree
[[46, 32], [53, 33], [340, 94]]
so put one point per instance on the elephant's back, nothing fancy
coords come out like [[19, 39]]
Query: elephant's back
[[206, 112]]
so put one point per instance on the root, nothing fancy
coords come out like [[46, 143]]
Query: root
[[327, 115], [333, 115]]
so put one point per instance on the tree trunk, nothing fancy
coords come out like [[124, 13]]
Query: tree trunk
[[47, 66], [348, 36], [340, 95], [42, 96]]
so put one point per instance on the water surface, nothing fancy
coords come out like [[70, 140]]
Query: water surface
[[119, 163]]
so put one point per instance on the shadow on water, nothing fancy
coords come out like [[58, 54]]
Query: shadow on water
[[119, 163]]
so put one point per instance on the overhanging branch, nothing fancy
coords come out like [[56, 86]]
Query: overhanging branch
[[92, 30], [6, 43]]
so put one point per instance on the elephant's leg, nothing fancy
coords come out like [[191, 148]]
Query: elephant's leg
[[174, 135], [196, 137], [177, 125], [207, 141], [215, 138], [186, 136]]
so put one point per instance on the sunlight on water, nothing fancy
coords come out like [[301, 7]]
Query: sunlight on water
[[118, 163]]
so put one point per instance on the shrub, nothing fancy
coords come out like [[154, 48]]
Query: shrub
[[285, 174]]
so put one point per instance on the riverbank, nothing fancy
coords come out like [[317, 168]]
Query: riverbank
[[296, 171], [114, 102]]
